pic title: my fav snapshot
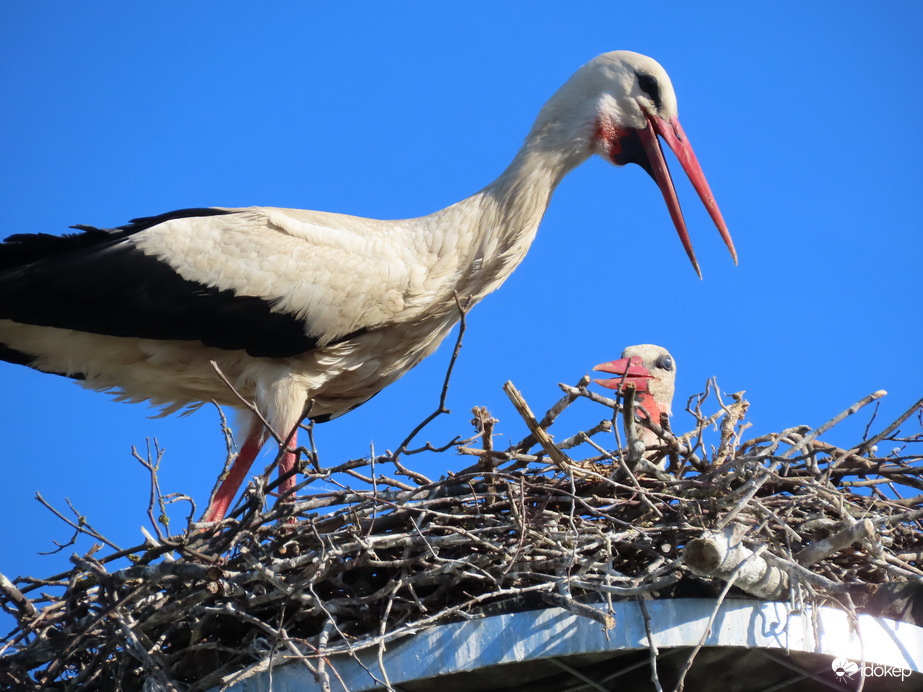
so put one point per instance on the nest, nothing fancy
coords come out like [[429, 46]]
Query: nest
[[574, 524]]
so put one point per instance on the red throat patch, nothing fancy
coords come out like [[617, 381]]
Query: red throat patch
[[608, 137]]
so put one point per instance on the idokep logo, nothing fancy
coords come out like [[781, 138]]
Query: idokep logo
[[844, 670]]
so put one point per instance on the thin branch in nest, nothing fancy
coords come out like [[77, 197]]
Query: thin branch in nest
[[576, 673], [702, 422], [855, 408], [156, 497], [551, 415], [441, 408], [82, 526], [540, 434], [651, 646], [484, 423], [229, 445], [604, 426], [866, 446], [835, 543], [730, 433], [140, 646], [313, 456], [640, 590], [632, 441], [249, 405], [674, 466], [581, 391]]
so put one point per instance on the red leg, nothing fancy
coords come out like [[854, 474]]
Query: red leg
[[230, 485], [286, 464], [238, 472]]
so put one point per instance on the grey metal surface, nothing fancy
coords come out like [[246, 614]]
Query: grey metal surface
[[528, 644]]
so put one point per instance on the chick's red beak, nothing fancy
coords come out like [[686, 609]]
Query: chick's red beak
[[629, 370]]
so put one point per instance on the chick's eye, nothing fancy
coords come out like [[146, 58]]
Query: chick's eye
[[665, 362], [650, 87]]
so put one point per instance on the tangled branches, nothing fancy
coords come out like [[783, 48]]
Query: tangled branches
[[540, 523]]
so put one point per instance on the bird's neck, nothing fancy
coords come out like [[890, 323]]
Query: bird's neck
[[504, 216], [653, 407], [522, 192]]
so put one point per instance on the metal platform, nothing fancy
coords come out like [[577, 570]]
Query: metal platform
[[753, 645]]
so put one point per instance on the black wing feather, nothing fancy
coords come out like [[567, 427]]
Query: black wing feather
[[97, 281]]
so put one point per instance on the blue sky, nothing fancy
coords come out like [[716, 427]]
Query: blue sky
[[803, 115]]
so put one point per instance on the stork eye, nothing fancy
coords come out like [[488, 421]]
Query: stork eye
[[665, 362], [649, 86]]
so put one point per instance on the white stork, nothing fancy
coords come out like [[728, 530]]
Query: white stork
[[652, 370], [300, 306]]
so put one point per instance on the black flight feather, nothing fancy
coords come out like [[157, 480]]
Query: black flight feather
[[97, 281]]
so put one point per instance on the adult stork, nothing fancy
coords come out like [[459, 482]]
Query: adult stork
[[296, 306], [652, 371]]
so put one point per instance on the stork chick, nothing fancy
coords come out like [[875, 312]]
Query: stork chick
[[652, 370], [299, 306]]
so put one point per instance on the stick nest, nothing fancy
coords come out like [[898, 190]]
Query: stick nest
[[372, 551]]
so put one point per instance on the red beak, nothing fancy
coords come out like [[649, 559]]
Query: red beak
[[630, 370], [673, 135]]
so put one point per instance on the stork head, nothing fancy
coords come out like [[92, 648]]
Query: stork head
[[651, 369], [616, 106]]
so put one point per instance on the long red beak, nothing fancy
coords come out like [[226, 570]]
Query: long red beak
[[629, 370], [673, 135]]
